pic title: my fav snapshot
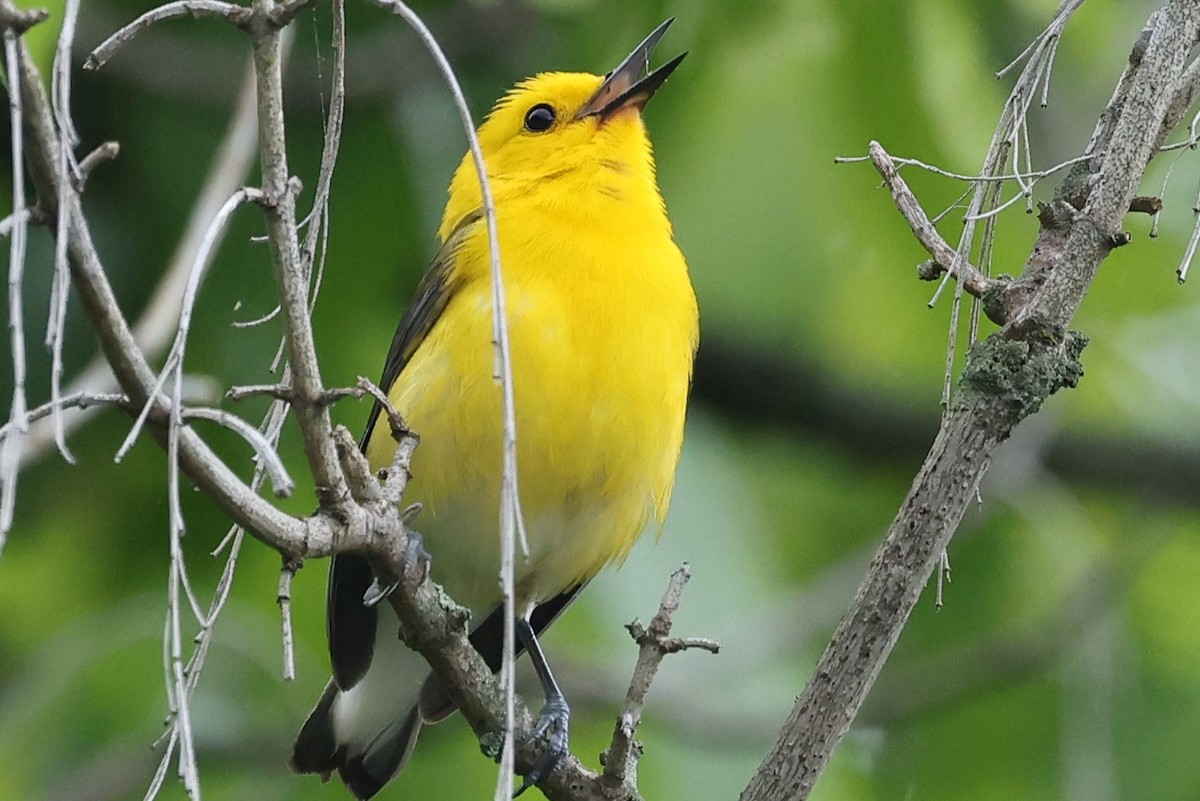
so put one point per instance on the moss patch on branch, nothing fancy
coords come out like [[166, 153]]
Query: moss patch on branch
[[1022, 372]]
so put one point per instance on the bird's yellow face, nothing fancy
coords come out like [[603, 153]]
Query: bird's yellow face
[[538, 128], [569, 136], [547, 128]]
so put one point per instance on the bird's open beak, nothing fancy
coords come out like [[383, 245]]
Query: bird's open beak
[[625, 87]]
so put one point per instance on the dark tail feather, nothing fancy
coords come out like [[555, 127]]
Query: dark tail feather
[[316, 748], [366, 769], [366, 772]]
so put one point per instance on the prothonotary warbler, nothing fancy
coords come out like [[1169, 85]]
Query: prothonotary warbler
[[603, 328]]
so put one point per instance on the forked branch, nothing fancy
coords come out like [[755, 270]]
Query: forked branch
[[1006, 379]]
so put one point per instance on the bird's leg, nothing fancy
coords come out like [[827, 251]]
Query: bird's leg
[[553, 720], [415, 556]]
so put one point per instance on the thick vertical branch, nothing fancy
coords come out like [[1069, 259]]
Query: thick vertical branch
[[290, 276], [1006, 379]]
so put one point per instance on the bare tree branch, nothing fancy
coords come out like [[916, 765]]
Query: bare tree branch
[[290, 276], [278, 529], [943, 255], [655, 642], [1006, 378], [68, 169], [238, 15], [18, 20], [265, 451], [10, 449], [284, 598], [107, 151], [374, 525], [156, 326]]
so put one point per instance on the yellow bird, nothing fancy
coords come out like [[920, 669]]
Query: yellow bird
[[603, 328]]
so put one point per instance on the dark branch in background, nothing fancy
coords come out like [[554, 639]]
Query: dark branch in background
[[1006, 378], [945, 678], [760, 387]]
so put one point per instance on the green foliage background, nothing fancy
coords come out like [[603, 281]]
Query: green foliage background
[[1066, 662]]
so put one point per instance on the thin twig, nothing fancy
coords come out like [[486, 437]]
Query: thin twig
[[1032, 176], [238, 15], [1051, 53], [257, 321], [164, 763], [11, 221], [369, 387], [512, 526], [199, 269], [284, 599], [67, 168], [10, 452], [279, 208], [179, 696], [156, 327], [997, 209], [285, 11], [174, 363], [207, 626], [1053, 31], [76, 400], [986, 247], [264, 449], [106, 151], [60, 79], [318, 229], [18, 20], [1190, 251], [275, 391], [968, 275], [654, 643]]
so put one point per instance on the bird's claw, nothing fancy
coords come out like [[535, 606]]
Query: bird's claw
[[378, 591], [415, 558], [553, 724]]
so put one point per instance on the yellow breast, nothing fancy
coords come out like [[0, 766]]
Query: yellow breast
[[602, 330]]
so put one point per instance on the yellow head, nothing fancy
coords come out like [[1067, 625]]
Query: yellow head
[[565, 125]]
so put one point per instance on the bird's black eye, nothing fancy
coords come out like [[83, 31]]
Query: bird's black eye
[[539, 118]]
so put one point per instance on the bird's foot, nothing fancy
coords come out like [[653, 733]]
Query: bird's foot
[[415, 558], [552, 726]]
